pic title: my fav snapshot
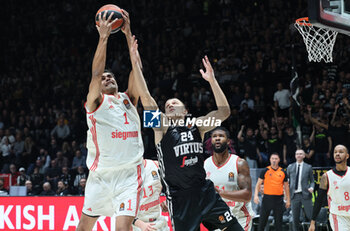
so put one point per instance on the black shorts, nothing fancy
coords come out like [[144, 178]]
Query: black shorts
[[188, 209]]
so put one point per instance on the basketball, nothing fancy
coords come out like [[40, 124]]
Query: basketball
[[117, 14]]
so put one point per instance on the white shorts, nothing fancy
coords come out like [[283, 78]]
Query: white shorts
[[339, 223], [113, 192], [245, 222], [161, 224]]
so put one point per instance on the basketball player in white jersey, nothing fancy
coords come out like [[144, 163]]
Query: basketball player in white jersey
[[149, 216], [114, 140], [336, 185], [231, 177]]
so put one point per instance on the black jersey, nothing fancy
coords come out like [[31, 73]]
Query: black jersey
[[181, 159]]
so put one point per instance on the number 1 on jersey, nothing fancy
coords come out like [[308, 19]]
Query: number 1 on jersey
[[126, 119]]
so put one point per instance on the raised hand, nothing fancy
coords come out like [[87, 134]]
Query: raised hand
[[105, 25], [208, 75], [133, 50], [126, 26]]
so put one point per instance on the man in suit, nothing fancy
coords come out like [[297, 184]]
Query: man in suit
[[301, 183]]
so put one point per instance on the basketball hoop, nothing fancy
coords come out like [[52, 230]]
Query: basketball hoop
[[319, 41]]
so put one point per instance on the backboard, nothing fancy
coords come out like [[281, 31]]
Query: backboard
[[332, 14]]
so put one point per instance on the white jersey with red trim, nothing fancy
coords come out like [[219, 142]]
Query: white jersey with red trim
[[225, 178], [152, 187], [339, 193], [114, 137], [150, 210]]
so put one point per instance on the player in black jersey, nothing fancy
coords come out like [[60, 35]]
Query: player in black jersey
[[191, 198]]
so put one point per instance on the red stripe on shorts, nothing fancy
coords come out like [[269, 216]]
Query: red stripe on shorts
[[139, 188], [246, 213], [335, 220]]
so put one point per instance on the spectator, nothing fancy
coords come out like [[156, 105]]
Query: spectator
[[78, 160], [61, 160], [53, 173], [45, 158], [274, 142], [29, 187], [14, 174], [323, 146], [29, 152], [3, 191], [18, 147], [81, 174], [62, 189], [250, 147], [37, 179], [10, 138], [23, 177], [61, 131], [47, 191], [81, 188], [6, 151], [290, 145], [309, 150], [247, 100], [66, 177], [282, 99]]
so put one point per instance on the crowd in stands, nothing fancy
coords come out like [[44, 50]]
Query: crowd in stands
[[46, 72]]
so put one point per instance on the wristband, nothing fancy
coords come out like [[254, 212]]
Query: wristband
[[134, 221]]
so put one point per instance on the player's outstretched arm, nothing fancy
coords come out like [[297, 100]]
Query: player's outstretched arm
[[94, 96], [322, 194], [223, 111], [141, 90], [126, 29], [244, 183]]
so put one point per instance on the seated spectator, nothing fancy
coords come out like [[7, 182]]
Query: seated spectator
[[6, 154], [62, 189], [53, 173], [37, 179], [23, 177], [78, 160], [247, 100], [3, 191], [18, 147], [81, 188], [29, 152], [47, 191], [81, 174], [29, 187], [45, 158], [14, 174], [66, 177], [61, 160], [61, 131]]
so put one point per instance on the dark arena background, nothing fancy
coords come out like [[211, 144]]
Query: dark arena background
[[47, 49]]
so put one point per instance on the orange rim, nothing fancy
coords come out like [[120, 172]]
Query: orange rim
[[303, 21]]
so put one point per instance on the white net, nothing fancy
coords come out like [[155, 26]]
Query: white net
[[319, 41]]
